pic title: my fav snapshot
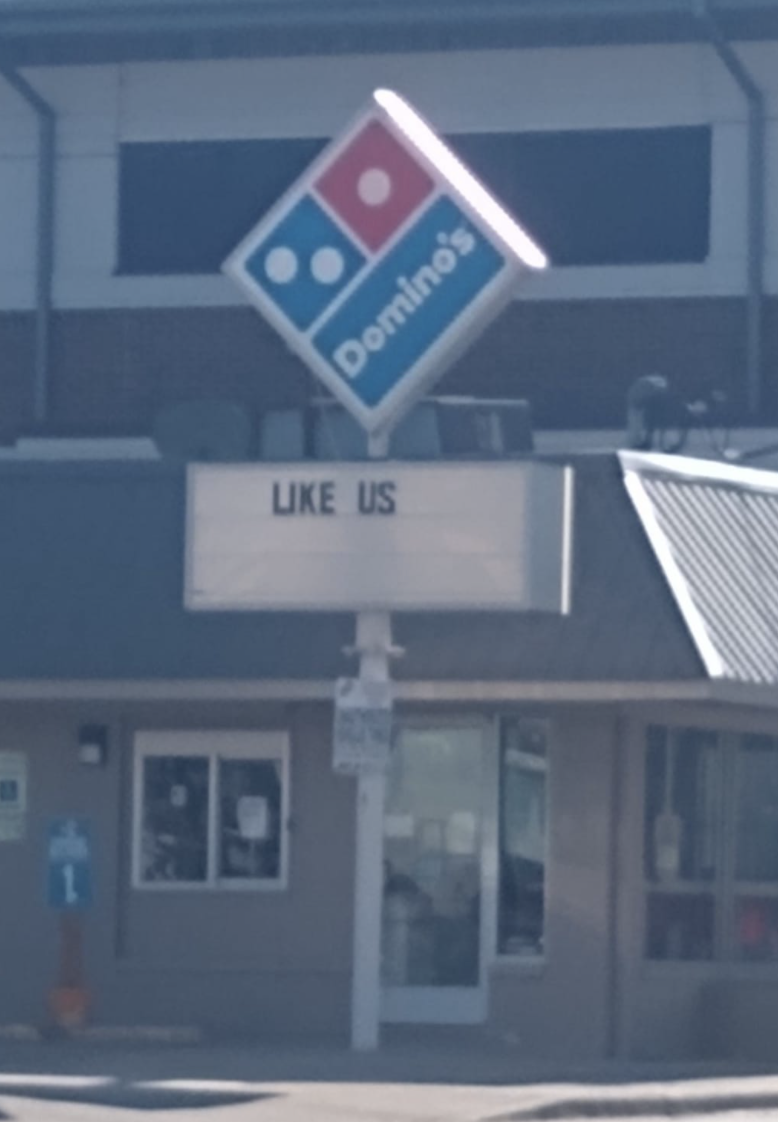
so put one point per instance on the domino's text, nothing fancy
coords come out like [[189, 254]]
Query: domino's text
[[353, 355]]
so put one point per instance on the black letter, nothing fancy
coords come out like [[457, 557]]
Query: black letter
[[327, 498], [387, 504], [364, 506], [278, 507], [307, 505]]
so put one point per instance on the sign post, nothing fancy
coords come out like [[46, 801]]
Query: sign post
[[373, 642], [69, 884], [494, 536], [374, 646], [378, 267]]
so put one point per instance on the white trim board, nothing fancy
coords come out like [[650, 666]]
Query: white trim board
[[692, 470], [420, 690]]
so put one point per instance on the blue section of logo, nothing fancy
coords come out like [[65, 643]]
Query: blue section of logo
[[408, 301], [304, 263]]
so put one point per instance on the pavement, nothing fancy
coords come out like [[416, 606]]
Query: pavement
[[411, 1079]]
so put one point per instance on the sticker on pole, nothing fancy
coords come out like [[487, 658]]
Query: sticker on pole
[[383, 261], [69, 864], [362, 734]]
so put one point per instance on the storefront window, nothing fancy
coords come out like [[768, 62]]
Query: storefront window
[[757, 810], [431, 922], [683, 823], [680, 927], [683, 792], [711, 845], [210, 809], [175, 818], [756, 850], [523, 773], [249, 821]]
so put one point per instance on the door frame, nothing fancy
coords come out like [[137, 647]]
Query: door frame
[[459, 1005]]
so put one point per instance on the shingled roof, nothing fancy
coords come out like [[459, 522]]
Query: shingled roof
[[91, 587]]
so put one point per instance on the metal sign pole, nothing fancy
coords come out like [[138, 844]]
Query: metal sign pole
[[373, 643]]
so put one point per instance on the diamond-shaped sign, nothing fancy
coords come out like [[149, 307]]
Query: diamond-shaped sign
[[383, 261]]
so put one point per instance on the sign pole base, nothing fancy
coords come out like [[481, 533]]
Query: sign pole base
[[374, 641], [69, 1000]]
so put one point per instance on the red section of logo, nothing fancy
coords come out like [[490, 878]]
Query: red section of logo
[[374, 185]]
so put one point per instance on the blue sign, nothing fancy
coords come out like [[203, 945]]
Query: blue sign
[[382, 262], [69, 856]]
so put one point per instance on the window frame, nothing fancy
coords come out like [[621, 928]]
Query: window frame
[[725, 888], [511, 959], [213, 745]]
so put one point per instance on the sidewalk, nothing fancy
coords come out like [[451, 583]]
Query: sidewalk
[[409, 1079]]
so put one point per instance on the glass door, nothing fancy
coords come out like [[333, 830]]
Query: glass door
[[432, 969]]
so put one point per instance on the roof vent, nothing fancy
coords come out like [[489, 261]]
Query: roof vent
[[436, 428], [209, 430], [483, 428]]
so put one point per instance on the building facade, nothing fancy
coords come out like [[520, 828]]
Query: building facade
[[580, 809]]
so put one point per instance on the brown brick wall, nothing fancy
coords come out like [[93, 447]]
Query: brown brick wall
[[113, 370]]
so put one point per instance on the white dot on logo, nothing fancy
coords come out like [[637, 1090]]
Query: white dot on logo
[[281, 265], [327, 265], [374, 186]]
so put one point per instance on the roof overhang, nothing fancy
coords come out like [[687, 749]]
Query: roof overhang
[[426, 691], [699, 470], [713, 529], [46, 31]]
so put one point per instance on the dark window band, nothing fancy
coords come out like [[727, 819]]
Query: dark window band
[[606, 197]]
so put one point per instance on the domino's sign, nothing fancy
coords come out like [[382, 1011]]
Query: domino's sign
[[383, 261]]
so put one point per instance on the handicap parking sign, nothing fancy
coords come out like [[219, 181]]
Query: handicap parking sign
[[69, 861], [383, 261]]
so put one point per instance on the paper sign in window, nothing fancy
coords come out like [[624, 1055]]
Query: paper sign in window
[[253, 820]]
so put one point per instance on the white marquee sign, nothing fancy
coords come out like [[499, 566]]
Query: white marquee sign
[[385, 536]]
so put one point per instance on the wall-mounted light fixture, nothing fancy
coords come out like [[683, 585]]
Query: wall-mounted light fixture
[[93, 745]]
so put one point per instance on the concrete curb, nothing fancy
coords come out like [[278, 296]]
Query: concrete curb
[[154, 1034], [608, 1104], [19, 1032], [527, 1092]]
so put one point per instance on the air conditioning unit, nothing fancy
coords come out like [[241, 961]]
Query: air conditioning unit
[[210, 430], [437, 428], [480, 428]]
